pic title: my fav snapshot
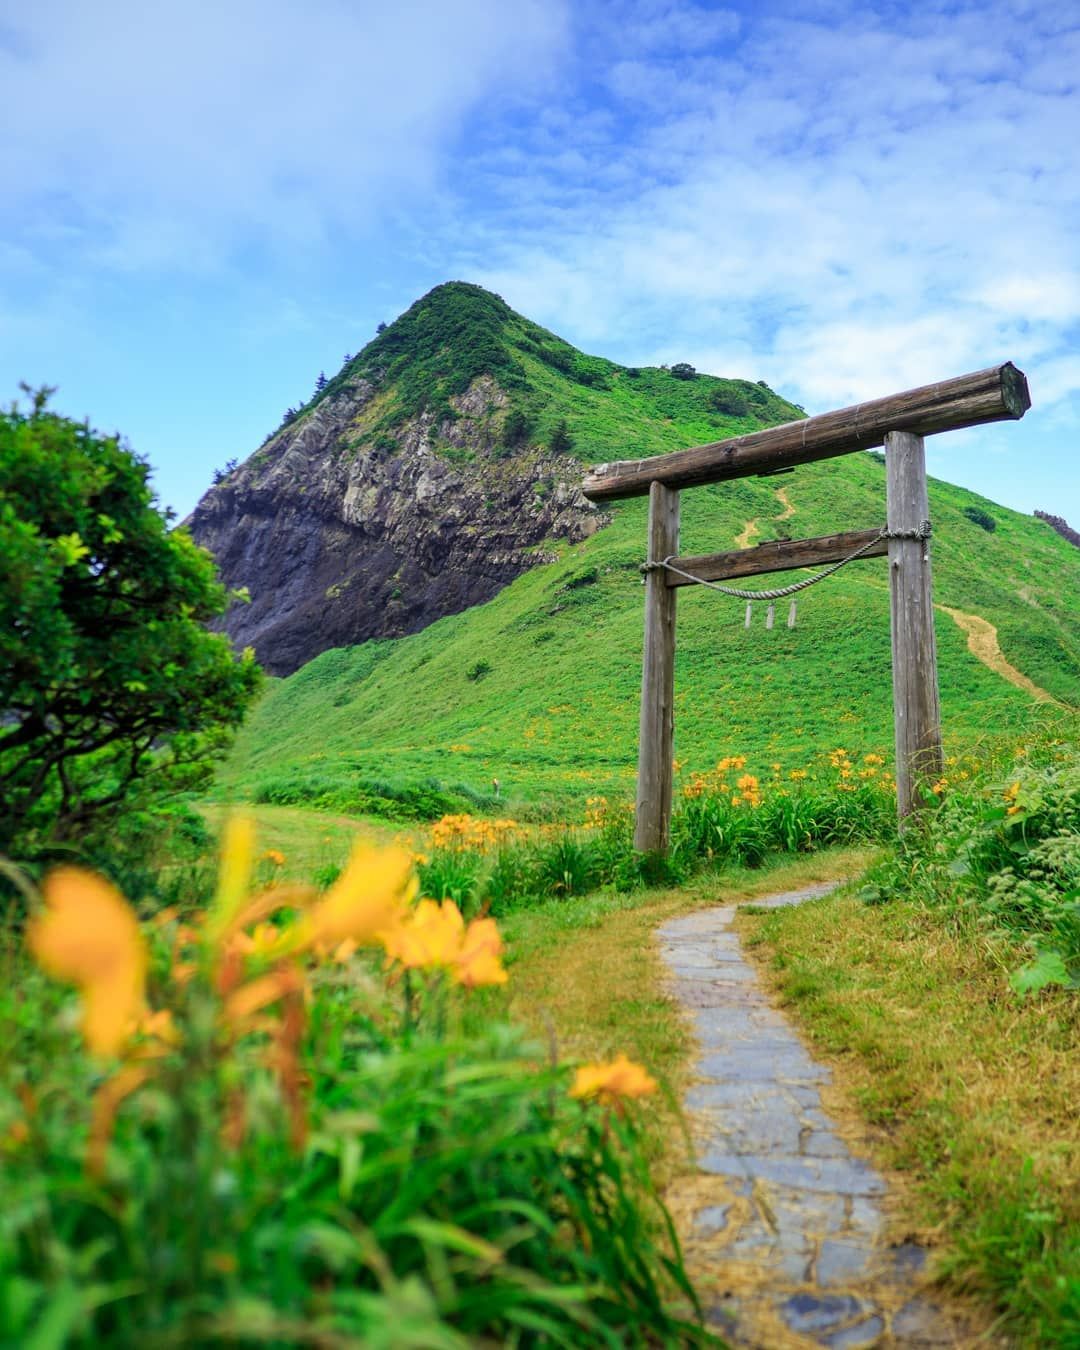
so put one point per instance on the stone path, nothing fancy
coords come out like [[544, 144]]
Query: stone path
[[783, 1226]]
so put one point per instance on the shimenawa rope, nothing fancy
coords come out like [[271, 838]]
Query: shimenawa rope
[[922, 532]]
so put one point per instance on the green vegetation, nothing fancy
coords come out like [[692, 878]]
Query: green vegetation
[[983, 519], [110, 685], [725, 818], [559, 396], [289, 1149], [970, 1087], [555, 718], [1001, 853]]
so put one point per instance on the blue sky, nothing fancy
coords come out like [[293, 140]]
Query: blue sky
[[205, 204]]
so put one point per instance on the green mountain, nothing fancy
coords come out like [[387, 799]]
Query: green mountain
[[538, 687], [438, 465]]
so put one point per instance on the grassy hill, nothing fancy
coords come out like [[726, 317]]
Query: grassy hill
[[539, 687]]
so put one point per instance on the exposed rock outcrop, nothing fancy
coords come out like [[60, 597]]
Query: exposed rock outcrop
[[342, 532]]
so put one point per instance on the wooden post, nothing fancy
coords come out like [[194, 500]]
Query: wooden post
[[916, 704], [656, 746]]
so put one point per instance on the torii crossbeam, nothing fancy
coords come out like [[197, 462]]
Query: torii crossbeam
[[899, 423]]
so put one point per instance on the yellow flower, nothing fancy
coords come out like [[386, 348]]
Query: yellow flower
[[263, 940], [275, 856], [1010, 792], [613, 1082], [478, 961], [237, 857], [89, 936], [366, 901], [430, 936]]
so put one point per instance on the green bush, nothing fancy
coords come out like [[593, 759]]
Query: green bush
[[516, 428], [730, 401], [983, 519], [452, 874], [112, 689], [1001, 849], [561, 440]]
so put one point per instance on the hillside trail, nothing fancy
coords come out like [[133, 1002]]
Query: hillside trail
[[982, 641], [789, 509], [784, 1225], [750, 529], [748, 532]]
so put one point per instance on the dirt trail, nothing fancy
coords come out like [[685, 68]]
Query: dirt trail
[[749, 530], [982, 641], [789, 509], [784, 1224]]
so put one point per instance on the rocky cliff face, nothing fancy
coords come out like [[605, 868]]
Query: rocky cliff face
[[342, 532]]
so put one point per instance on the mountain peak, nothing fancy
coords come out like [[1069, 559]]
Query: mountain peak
[[436, 466]]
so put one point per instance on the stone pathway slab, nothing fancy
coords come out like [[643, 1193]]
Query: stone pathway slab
[[782, 1225]]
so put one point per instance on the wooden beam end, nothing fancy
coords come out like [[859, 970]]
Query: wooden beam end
[[1014, 391]]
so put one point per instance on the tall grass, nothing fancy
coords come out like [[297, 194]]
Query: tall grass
[[722, 817], [295, 1149], [999, 852]]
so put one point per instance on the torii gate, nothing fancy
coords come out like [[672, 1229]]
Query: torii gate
[[899, 423]]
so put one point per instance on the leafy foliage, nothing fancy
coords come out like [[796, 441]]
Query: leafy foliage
[[722, 818], [983, 519], [108, 679], [291, 1151], [561, 440], [1001, 851], [516, 428]]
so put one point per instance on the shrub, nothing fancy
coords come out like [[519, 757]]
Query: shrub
[[683, 370], [561, 440], [110, 682], [478, 670], [983, 519], [564, 865], [451, 874], [730, 401], [516, 428], [998, 849]]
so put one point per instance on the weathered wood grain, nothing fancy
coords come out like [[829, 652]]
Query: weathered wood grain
[[997, 394], [656, 746], [916, 703], [777, 555]]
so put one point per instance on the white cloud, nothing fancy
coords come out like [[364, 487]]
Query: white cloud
[[176, 132], [844, 205]]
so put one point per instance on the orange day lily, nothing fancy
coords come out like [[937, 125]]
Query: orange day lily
[[612, 1083], [431, 935], [366, 901], [89, 936], [478, 961]]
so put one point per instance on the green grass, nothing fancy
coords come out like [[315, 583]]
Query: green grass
[[969, 1093], [539, 688], [355, 1160], [555, 717]]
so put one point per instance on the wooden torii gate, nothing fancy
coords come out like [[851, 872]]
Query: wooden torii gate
[[899, 423]]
